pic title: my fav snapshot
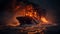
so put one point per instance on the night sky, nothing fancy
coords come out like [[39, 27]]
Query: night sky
[[52, 9]]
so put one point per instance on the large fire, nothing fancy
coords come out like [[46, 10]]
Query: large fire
[[28, 11], [31, 12]]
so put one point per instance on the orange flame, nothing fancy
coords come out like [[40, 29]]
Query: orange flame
[[44, 20], [14, 23]]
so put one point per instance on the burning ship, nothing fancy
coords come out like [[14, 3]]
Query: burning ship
[[29, 17]]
